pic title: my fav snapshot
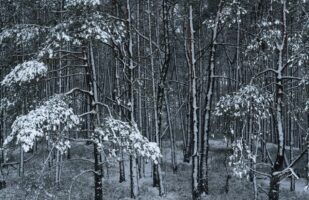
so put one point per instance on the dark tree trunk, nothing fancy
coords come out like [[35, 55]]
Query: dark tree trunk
[[204, 150], [91, 84], [278, 164]]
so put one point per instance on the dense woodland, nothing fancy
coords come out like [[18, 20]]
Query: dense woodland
[[145, 99]]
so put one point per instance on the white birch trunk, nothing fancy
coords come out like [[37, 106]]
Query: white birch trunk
[[194, 111], [133, 166]]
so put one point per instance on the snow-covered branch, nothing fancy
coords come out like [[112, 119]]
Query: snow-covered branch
[[50, 120], [128, 137], [25, 73], [248, 99]]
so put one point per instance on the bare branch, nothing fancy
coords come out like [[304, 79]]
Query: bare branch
[[79, 90]]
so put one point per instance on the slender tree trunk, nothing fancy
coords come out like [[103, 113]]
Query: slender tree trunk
[[58, 168], [3, 136], [292, 183], [278, 164], [189, 138], [58, 164], [140, 122], [254, 164], [117, 96], [203, 183], [94, 120], [133, 163], [250, 139], [157, 102], [98, 174], [194, 109], [122, 176], [21, 165], [307, 138], [172, 135]]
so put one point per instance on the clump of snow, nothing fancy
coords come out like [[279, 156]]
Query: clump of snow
[[240, 158], [21, 33], [6, 103], [70, 3], [25, 72], [50, 120], [248, 99], [80, 28], [128, 138]]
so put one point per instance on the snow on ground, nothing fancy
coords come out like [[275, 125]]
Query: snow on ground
[[300, 185], [177, 185]]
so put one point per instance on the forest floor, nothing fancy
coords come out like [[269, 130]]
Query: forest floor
[[177, 185]]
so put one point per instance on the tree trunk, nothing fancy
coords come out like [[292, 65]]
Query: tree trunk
[[278, 164], [133, 167], [194, 110], [292, 181], [172, 135], [158, 104], [94, 120], [22, 158], [21, 165], [203, 183], [58, 168], [98, 195]]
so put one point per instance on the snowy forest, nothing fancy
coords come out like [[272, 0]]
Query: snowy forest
[[154, 99]]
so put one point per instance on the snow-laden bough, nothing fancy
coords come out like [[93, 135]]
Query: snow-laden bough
[[25, 73], [127, 138], [50, 120]]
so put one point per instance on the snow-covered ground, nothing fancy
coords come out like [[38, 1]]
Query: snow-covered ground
[[177, 185]]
